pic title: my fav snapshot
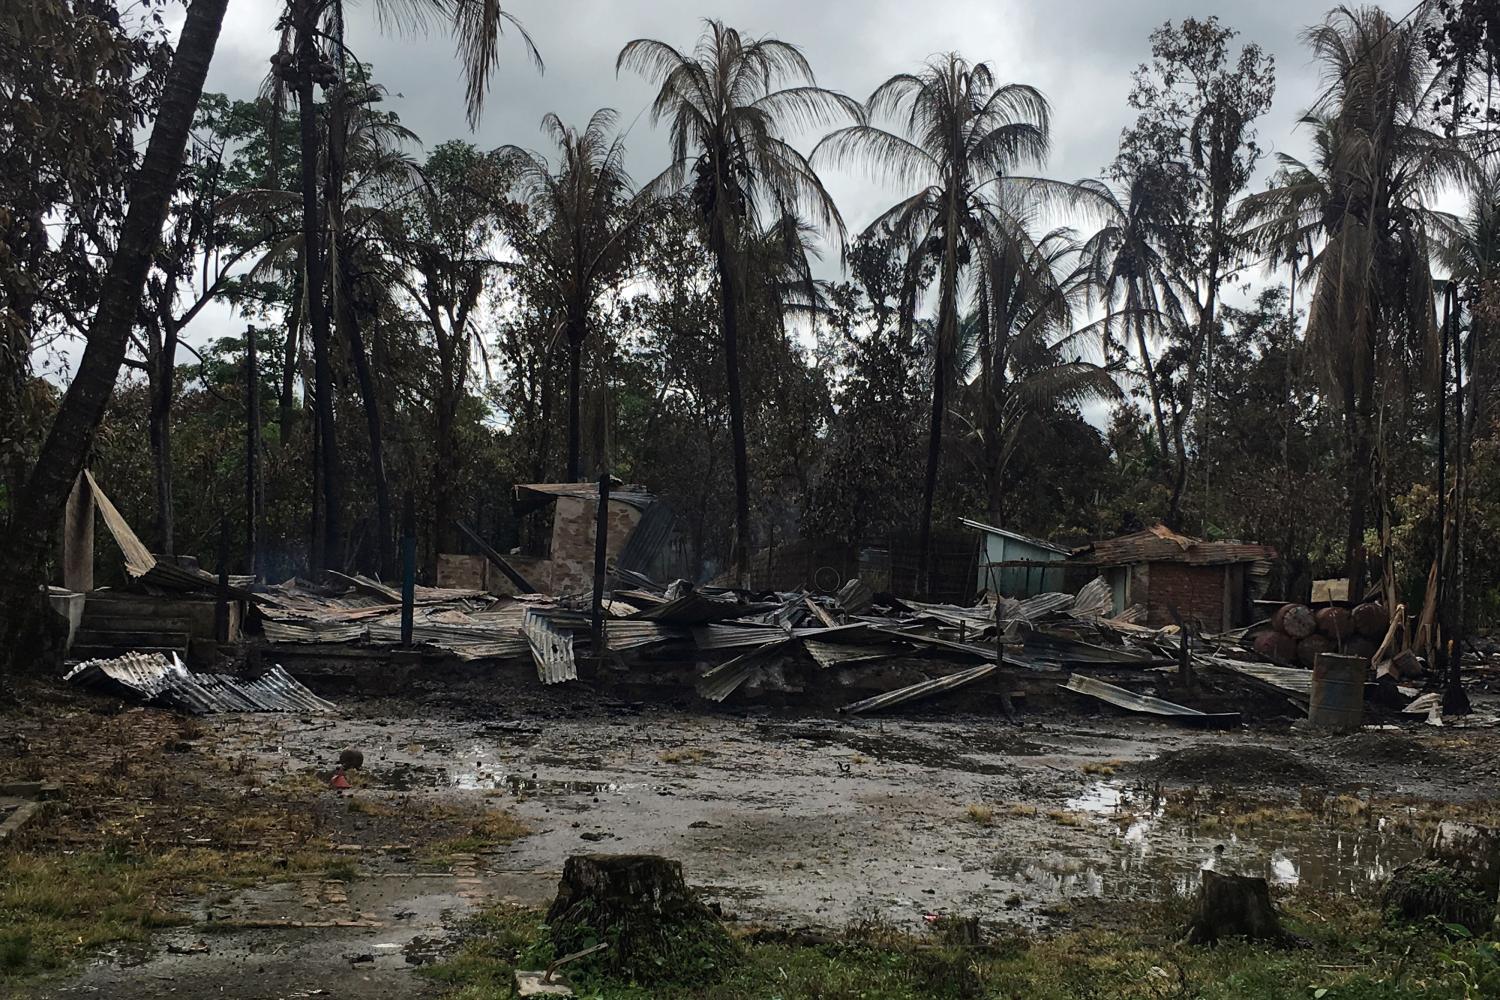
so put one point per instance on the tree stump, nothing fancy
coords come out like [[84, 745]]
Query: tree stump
[[1234, 906], [657, 928]]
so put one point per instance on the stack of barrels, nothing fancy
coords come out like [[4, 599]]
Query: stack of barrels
[[1298, 634]]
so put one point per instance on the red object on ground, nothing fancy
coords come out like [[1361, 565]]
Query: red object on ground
[[339, 781]]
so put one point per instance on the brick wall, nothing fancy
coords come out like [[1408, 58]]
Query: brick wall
[[1197, 592], [572, 556]]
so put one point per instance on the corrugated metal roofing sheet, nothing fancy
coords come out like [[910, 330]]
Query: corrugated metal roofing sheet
[[551, 648], [653, 531], [1132, 702], [160, 679], [920, 690]]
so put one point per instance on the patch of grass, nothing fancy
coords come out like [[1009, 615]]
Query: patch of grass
[[56, 908], [1021, 810], [1067, 817], [370, 807], [683, 755], [481, 830], [1348, 957], [1103, 768], [977, 812]]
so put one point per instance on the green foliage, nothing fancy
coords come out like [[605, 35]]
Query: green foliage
[[1347, 958]]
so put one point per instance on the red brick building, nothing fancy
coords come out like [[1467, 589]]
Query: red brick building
[[1211, 584]]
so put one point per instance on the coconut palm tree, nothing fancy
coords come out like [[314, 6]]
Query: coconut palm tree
[[955, 134], [1019, 347], [1132, 280], [576, 232], [312, 53], [730, 105], [1365, 201]]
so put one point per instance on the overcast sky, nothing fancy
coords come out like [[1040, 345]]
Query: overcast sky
[[1079, 53]]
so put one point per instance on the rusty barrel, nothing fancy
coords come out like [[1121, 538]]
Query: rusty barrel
[[1338, 691]]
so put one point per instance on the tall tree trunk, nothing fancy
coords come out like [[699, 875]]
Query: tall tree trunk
[[739, 555], [1152, 386], [1357, 487], [289, 359], [947, 336], [163, 388], [989, 437], [327, 532], [384, 522], [252, 455], [575, 335], [39, 507], [443, 472]]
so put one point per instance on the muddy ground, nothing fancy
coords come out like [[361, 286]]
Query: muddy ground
[[784, 820]]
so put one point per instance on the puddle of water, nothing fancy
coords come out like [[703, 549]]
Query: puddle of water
[[1154, 854]]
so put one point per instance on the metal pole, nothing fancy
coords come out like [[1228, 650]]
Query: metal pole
[[601, 542], [408, 570]]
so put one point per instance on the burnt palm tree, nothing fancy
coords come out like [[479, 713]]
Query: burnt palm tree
[[730, 104], [955, 135], [1364, 203], [576, 231], [312, 54]]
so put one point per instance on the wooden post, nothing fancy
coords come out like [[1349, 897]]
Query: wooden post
[[408, 570], [252, 453], [221, 606], [1184, 649], [601, 541]]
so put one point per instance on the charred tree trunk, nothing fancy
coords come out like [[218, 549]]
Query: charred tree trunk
[[39, 507], [739, 556], [576, 332], [252, 455], [327, 530], [369, 396], [443, 472], [289, 360], [159, 430], [1152, 386], [947, 328]]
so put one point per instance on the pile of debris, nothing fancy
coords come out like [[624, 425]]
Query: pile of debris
[[724, 641]]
